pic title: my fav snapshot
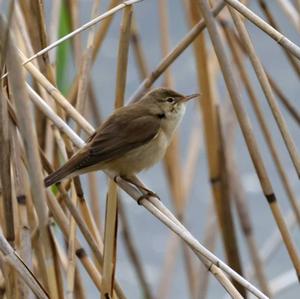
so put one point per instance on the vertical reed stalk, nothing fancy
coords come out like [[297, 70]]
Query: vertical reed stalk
[[214, 149], [248, 134], [111, 215], [261, 118], [265, 85], [19, 94]]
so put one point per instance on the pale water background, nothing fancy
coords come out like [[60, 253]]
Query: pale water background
[[151, 236]]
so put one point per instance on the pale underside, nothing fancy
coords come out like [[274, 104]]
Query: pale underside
[[136, 160]]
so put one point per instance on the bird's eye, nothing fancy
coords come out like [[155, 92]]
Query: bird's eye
[[170, 100]]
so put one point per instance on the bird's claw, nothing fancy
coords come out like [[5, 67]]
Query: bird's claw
[[146, 193], [147, 196]]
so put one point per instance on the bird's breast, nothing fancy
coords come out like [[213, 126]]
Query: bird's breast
[[142, 157], [172, 121], [150, 153]]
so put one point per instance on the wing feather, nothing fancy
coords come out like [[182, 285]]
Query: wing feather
[[116, 137]]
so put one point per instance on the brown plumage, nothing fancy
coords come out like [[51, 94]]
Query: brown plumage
[[133, 138]]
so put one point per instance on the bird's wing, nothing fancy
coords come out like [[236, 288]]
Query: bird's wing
[[119, 136], [115, 137]]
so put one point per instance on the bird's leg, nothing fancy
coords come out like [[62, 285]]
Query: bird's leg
[[146, 193], [137, 183]]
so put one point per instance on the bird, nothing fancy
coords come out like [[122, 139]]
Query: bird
[[132, 139]]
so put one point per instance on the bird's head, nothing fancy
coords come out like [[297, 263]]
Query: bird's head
[[167, 101]]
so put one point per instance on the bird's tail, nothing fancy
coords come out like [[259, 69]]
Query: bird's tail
[[63, 172], [55, 177]]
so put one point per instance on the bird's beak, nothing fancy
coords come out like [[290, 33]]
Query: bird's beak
[[187, 98]]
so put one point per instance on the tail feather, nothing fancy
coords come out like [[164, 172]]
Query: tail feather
[[55, 177], [63, 172]]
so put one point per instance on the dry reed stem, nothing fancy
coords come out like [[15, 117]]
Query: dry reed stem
[[84, 86], [2, 280], [172, 161], [80, 252], [292, 60], [71, 250], [80, 291], [85, 66], [7, 271], [78, 219], [260, 23], [24, 244], [35, 34], [5, 174], [97, 43], [53, 26], [43, 39], [63, 223], [135, 39], [227, 224], [214, 149], [265, 85], [138, 51], [155, 206], [122, 60], [94, 108], [11, 257], [164, 38], [247, 228], [93, 194], [101, 33], [163, 214], [172, 157], [80, 29], [18, 90], [248, 134], [5, 151], [110, 241], [261, 118], [285, 101], [297, 5], [189, 167], [132, 252], [60, 281], [111, 215], [239, 197], [74, 13], [92, 177], [209, 241], [42, 105], [24, 41], [96, 249], [57, 96], [87, 214], [273, 243], [187, 176]]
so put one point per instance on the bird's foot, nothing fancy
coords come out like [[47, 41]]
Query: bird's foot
[[147, 195]]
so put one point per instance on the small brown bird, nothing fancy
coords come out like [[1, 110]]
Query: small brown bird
[[133, 138]]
